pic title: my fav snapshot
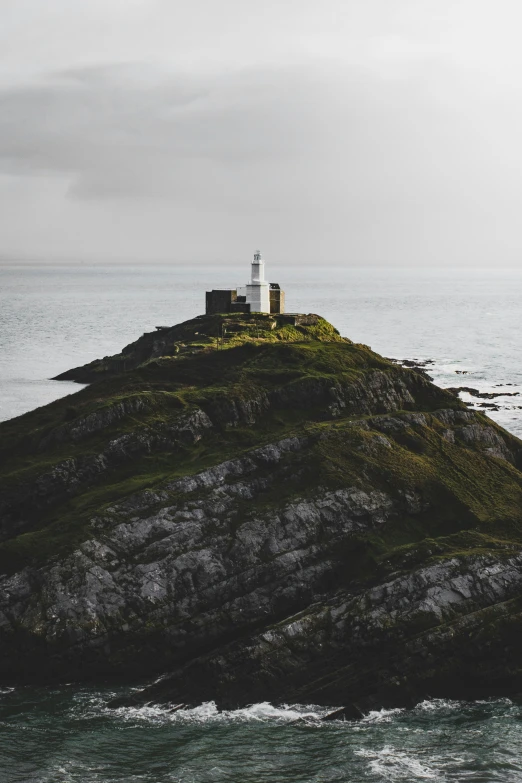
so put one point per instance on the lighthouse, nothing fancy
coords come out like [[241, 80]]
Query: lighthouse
[[258, 291], [257, 296]]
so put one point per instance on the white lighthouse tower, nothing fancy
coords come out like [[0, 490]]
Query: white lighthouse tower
[[258, 290]]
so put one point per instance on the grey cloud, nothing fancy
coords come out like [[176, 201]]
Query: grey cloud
[[115, 133], [347, 163]]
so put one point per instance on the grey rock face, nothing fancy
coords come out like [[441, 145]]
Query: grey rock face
[[67, 477], [381, 392], [95, 422], [253, 578], [475, 434], [199, 569], [287, 660]]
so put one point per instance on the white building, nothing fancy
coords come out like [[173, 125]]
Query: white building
[[257, 291]]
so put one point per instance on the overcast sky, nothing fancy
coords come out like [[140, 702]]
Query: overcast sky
[[354, 131]]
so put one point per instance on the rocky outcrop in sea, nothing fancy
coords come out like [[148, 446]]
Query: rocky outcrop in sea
[[282, 515]]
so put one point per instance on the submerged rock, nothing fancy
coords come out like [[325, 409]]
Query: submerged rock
[[289, 518]]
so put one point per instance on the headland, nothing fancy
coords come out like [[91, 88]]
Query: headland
[[264, 510]]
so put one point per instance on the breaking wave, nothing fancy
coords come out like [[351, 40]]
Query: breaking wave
[[208, 712]]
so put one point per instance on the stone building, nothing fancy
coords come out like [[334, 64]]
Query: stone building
[[257, 296]]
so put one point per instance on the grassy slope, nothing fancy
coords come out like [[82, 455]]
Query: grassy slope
[[475, 500]]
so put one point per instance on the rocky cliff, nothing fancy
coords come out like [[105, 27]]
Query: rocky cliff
[[262, 510]]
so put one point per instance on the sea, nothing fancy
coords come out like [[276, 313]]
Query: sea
[[465, 324]]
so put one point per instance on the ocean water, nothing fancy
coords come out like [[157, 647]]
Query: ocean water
[[68, 735], [466, 322]]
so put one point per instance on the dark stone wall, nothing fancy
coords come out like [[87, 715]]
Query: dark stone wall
[[220, 300], [240, 306]]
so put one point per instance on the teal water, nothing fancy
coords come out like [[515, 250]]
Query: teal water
[[56, 317], [68, 734]]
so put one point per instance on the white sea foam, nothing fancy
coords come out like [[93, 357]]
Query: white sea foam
[[393, 764], [438, 705], [382, 716], [263, 712]]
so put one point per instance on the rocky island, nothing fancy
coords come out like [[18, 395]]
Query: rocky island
[[260, 509]]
